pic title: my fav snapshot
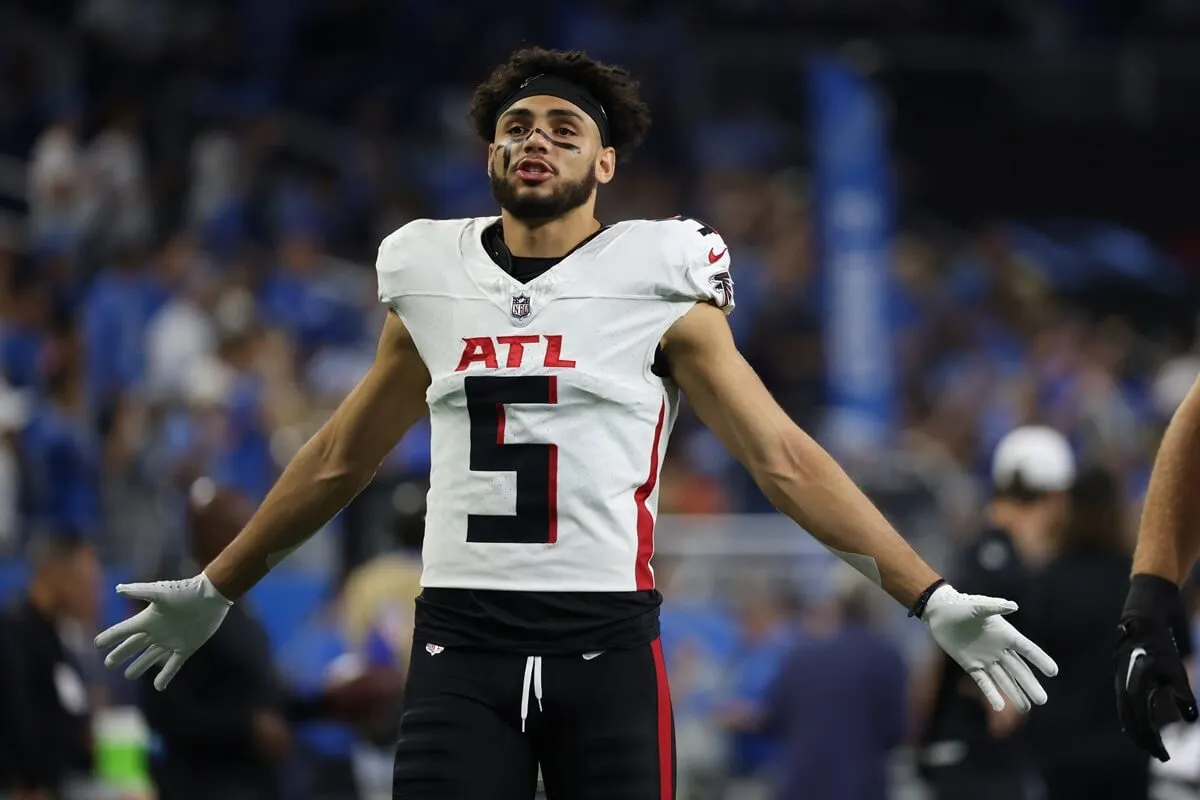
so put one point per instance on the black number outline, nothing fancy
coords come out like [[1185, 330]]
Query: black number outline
[[535, 464], [703, 230]]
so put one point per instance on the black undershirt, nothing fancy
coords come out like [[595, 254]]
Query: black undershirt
[[536, 623]]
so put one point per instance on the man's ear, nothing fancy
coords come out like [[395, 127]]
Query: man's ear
[[606, 165], [491, 155]]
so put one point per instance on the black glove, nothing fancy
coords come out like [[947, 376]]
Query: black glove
[[1152, 684]]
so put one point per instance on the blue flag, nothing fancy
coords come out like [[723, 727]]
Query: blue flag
[[853, 217]]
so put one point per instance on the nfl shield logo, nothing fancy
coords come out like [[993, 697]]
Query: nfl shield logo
[[520, 306]]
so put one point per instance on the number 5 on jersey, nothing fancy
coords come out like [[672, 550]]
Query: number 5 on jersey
[[535, 464]]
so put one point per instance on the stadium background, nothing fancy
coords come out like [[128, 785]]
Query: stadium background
[[947, 219]]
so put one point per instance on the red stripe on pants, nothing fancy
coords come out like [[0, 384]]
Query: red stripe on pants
[[666, 744]]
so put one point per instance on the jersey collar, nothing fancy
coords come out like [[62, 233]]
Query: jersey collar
[[496, 248], [521, 301]]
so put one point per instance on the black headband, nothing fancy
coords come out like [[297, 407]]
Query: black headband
[[565, 90]]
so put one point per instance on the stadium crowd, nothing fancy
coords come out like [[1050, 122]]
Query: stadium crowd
[[186, 292]]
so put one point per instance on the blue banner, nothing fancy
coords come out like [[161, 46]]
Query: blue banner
[[853, 218]]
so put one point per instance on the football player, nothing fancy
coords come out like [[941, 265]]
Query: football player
[[1151, 679], [549, 351]]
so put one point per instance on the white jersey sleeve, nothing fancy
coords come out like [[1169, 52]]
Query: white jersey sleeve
[[393, 264], [702, 260]]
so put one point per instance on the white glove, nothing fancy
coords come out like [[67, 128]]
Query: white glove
[[181, 617], [970, 629]]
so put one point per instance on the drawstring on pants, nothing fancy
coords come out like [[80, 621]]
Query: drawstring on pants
[[533, 677]]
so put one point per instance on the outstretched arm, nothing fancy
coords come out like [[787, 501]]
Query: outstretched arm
[[1169, 537], [333, 466], [323, 477], [793, 471], [804, 482]]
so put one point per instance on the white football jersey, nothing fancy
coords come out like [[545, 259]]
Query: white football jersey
[[548, 425]]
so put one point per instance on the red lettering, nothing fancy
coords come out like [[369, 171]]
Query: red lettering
[[482, 350], [478, 350], [516, 347], [554, 353]]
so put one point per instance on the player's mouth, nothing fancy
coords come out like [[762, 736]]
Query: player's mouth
[[534, 170]]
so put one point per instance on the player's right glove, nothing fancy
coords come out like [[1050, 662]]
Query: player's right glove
[[1151, 681], [182, 615], [972, 630]]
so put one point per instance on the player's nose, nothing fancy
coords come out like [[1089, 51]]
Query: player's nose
[[537, 142]]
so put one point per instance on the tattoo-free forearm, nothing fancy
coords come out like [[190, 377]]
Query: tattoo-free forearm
[[1169, 536], [804, 482], [312, 489], [794, 472], [333, 466]]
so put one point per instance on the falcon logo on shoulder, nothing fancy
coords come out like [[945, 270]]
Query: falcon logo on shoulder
[[722, 283], [520, 306]]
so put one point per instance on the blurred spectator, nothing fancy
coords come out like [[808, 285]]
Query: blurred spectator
[[213, 199], [115, 166], [245, 462], [14, 413], [377, 622], [838, 703], [378, 599], [767, 632], [698, 641], [115, 313], [45, 708], [969, 751], [26, 315], [182, 331], [224, 727], [301, 297], [63, 450], [1070, 610], [367, 629], [56, 185]]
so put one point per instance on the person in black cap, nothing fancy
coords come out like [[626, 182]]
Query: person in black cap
[[549, 351]]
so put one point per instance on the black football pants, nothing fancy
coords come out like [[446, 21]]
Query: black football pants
[[476, 726]]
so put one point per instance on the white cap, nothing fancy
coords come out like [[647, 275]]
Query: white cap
[[1040, 458]]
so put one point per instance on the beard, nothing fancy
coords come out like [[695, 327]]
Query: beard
[[566, 197]]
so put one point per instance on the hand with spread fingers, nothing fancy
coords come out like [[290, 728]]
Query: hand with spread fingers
[[181, 617], [972, 630], [1151, 680]]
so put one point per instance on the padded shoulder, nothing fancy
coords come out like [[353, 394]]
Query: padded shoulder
[[418, 244], [697, 260]]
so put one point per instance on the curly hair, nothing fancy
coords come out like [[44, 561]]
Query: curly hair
[[615, 89]]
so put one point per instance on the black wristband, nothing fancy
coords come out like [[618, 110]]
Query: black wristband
[[1150, 595], [918, 608]]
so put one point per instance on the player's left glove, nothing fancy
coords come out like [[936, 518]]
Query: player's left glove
[[972, 630], [181, 617], [1151, 680]]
